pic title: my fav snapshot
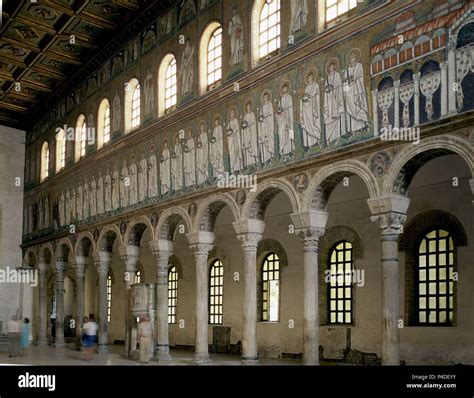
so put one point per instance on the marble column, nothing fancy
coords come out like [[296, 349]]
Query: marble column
[[310, 226], [249, 232], [102, 263], [416, 96], [129, 255], [396, 85], [162, 250], [80, 268], [444, 88], [452, 107], [59, 336], [375, 105], [201, 244], [43, 311], [390, 215]]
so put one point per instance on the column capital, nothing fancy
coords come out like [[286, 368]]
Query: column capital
[[310, 219], [389, 212], [102, 262], [80, 265], [443, 65], [59, 265], [160, 246], [387, 204], [249, 232], [310, 226], [130, 255], [390, 223], [201, 249], [201, 242], [416, 76], [200, 237]]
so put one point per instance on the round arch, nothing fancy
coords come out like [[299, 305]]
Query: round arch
[[30, 257], [108, 231], [265, 193], [169, 220], [334, 173], [209, 209], [131, 228], [438, 146], [46, 253], [60, 252], [79, 247]]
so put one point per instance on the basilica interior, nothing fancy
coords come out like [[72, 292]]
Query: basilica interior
[[267, 179]]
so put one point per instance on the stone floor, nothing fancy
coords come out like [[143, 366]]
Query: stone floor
[[66, 356]]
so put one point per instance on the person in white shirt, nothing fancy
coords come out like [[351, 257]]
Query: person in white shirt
[[13, 329], [89, 331], [145, 338]]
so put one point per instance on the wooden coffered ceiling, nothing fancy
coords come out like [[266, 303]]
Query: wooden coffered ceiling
[[39, 62]]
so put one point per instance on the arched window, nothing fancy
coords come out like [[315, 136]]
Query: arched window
[[109, 297], [80, 138], [435, 279], [271, 288], [167, 81], [214, 59], [136, 107], [340, 283], [60, 150], [210, 57], [132, 105], [216, 293], [269, 28], [172, 294], [44, 161], [138, 277], [336, 8], [103, 123]]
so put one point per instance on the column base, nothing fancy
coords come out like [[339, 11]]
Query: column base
[[250, 361], [103, 349], [162, 357], [42, 343], [201, 359], [58, 345], [310, 362]]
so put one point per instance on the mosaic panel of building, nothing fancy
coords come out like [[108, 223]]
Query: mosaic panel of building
[[269, 179]]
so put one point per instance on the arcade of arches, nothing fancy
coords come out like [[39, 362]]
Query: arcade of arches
[[353, 118]]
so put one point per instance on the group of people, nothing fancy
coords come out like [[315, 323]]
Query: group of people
[[18, 336]]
